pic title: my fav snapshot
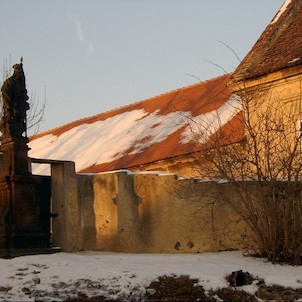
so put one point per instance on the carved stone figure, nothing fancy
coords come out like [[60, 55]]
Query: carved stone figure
[[15, 105]]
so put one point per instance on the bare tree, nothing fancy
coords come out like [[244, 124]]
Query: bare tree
[[36, 113], [264, 169]]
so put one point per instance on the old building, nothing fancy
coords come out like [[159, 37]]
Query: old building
[[268, 81], [160, 133], [167, 131], [145, 212]]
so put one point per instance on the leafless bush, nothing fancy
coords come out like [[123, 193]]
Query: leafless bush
[[264, 169]]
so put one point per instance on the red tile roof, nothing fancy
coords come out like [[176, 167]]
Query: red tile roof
[[279, 46], [195, 99]]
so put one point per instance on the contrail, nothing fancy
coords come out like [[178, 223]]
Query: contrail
[[81, 37]]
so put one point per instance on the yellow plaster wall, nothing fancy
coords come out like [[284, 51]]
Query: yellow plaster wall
[[157, 214]]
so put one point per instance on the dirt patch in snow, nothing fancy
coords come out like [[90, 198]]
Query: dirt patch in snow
[[186, 289]]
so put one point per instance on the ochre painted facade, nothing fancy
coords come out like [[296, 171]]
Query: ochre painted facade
[[270, 76]]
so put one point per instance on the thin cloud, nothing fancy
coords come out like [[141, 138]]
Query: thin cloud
[[81, 36]]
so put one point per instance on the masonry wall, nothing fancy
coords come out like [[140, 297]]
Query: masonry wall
[[148, 213]]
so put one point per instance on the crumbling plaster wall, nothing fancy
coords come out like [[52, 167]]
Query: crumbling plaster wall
[[144, 212]]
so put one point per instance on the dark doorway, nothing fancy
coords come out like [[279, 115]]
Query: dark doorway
[[43, 205]]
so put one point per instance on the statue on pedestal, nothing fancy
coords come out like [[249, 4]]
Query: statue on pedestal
[[20, 230]]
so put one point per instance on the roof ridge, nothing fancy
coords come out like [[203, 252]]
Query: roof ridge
[[49, 131], [281, 12], [261, 59], [162, 94]]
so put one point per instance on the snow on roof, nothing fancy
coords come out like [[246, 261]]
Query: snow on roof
[[281, 11], [154, 129], [279, 46]]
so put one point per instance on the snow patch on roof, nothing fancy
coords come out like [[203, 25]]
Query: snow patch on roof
[[125, 134], [294, 60], [281, 11], [105, 141], [203, 126]]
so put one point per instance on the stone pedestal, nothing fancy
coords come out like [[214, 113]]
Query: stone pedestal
[[15, 157], [19, 231]]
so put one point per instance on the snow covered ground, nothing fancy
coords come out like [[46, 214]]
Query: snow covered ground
[[54, 277]]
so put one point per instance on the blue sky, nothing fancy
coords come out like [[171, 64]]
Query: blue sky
[[94, 55]]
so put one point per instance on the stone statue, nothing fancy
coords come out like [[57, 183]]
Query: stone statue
[[15, 105]]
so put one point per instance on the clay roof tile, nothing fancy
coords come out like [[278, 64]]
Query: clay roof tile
[[279, 46], [192, 101]]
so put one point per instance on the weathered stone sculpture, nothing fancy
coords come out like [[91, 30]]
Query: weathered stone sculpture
[[15, 105], [19, 230]]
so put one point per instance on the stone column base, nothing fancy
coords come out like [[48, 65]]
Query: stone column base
[[22, 239]]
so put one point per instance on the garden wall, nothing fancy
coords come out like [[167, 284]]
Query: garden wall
[[141, 212]]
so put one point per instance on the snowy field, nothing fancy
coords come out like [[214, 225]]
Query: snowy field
[[58, 276]]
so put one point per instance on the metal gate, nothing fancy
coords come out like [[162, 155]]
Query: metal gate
[[43, 205]]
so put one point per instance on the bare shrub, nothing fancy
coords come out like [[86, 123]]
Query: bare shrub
[[264, 169]]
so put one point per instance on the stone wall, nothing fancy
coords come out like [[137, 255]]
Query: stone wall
[[141, 212]]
